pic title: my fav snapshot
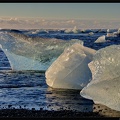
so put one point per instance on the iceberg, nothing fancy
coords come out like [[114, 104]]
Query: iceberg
[[75, 30], [100, 39], [114, 34], [90, 33], [104, 88], [68, 31], [18, 62], [108, 30], [70, 70], [111, 35], [117, 33], [32, 53]]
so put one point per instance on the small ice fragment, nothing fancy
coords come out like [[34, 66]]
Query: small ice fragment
[[100, 39]]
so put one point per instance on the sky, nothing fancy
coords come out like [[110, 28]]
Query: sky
[[60, 11]]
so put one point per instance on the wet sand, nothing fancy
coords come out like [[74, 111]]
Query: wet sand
[[23, 113], [99, 111]]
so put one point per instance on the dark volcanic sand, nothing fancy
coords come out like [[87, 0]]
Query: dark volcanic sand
[[6, 113]]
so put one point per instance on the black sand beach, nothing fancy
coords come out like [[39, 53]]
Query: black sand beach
[[99, 111], [25, 113]]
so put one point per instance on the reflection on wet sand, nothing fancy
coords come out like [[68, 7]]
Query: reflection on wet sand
[[105, 111], [61, 99], [65, 99]]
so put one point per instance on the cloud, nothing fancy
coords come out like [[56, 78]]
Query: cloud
[[37, 23]]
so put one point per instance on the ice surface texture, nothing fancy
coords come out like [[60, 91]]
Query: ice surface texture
[[32, 53], [104, 88], [70, 70]]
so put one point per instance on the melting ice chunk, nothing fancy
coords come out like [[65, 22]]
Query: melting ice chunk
[[32, 53], [70, 70], [101, 39], [18, 62], [104, 88]]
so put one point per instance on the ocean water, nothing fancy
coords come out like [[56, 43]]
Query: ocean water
[[28, 89]]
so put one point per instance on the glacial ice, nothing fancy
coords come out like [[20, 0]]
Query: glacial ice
[[100, 39], [117, 33], [70, 70], [111, 35], [75, 30], [114, 34], [104, 88], [68, 31], [108, 30], [18, 62], [90, 33], [39, 52]]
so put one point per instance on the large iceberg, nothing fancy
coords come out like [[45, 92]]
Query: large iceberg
[[70, 70], [32, 53], [104, 88]]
